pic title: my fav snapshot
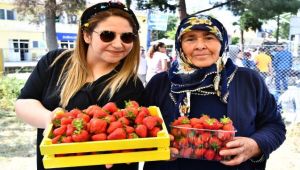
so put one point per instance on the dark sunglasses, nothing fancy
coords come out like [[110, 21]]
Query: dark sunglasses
[[108, 36]]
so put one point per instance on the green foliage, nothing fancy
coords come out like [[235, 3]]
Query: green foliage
[[9, 91], [235, 40]]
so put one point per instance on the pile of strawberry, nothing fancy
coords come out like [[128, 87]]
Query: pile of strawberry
[[201, 138], [104, 123]]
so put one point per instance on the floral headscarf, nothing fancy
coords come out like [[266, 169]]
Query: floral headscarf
[[187, 79]]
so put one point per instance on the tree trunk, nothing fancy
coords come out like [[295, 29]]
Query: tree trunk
[[50, 15], [242, 40], [277, 30], [182, 9]]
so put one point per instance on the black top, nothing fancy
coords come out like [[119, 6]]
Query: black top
[[42, 85]]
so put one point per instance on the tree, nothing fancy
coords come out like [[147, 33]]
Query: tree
[[38, 11], [256, 11]]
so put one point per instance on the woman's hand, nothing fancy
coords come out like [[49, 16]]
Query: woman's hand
[[108, 166], [173, 151], [240, 149]]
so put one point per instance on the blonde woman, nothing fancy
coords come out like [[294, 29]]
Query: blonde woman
[[102, 68]]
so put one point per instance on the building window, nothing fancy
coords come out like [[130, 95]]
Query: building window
[[2, 16], [35, 44], [7, 14], [10, 15]]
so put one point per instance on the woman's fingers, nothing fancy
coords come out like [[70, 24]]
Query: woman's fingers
[[108, 166]]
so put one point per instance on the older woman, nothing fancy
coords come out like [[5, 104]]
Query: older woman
[[204, 80]]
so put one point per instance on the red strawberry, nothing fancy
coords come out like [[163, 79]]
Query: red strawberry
[[141, 130], [209, 154], [70, 130], [181, 120], [80, 136], [153, 132], [132, 103], [199, 152], [205, 136], [85, 117], [101, 113], [56, 139], [91, 110], [99, 137], [110, 118], [212, 124], [184, 129], [130, 112], [60, 130], [124, 121], [132, 136], [150, 122], [113, 126], [225, 135], [118, 114], [186, 152], [110, 107], [215, 143], [66, 120], [203, 118], [129, 129], [98, 126], [119, 133], [66, 139]]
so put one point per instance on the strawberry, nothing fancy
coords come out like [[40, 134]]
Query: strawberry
[[203, 118], [132, 136], [80, 136], [56, 139], [110, 107], [141, 130], [60, 130], [110, 118], [209, 154], [215, 143], [205, 136], [118, 114], [74, 112], [150, 122], [212, 124], [66, 120], [225, 135], [141, 115], [99, 137], [129, 129], [70, 129], [199, 153], [86, 118], [153, 132], [91, 110], [97, 125], [195, 121], [66, 139], [101, 113], [118, 133], [124, 121], [227, 124], [186, 152], [131, 103], [130, 112], [184, 129], [56, 121], [181, 120], [113, 126]]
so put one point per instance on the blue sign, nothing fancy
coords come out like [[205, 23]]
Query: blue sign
[[66, 36], [158, 21]]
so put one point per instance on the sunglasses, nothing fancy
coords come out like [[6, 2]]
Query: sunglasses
[[108, 36]]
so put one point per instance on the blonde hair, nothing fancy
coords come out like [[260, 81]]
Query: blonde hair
[[75, 71]]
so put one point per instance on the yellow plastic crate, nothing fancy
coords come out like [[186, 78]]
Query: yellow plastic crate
[[159, 149]]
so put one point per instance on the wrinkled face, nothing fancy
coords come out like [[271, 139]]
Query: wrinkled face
[[111, 52], [201, 47]]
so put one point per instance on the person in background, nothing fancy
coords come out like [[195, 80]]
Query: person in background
[[247, 61], [156, 60], [102, 68], [282, 64], [263, 63], [204, 80], [142, 66], [239, 59]]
